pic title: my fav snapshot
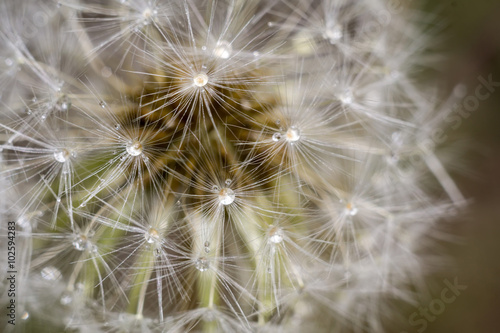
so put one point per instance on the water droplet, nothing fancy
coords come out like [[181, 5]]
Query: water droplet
[[292, 134], [152, 236], [50, 273], [276, 137], [223, 49], [25, 315], [63, 103], [277, 122], [228, 182], [66, 299], [117, 127], [157, 252], [200, 80], [83, 204], [62, 155], [43, 116], [207, 247], [202, 264], [215, 188], [347, 97], [350, 209], [58, 199], [80, 242], [102, 104], [134, 148], [226, 196], [275, 235], [204, 48], [333, 33]]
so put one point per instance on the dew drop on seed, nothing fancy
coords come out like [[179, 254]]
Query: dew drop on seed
[[277, 122], [102, 104], [276, 137], [63, 103], [226, 196], [204, 48], [152, 236], [58, 199], [207, 247], [292, 134], [62, 155], [200, 80], [134, 148], [202, 264], [117, 127], [215, 188], [157, 252], [228, 182], [66, 299], [350, 209], [347, 97], [25, 315], [275, 235], [80, 242], [50, 273], [223, 49], [333, 34]]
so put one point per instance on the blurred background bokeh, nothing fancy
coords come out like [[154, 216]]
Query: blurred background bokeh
[[471, 31]]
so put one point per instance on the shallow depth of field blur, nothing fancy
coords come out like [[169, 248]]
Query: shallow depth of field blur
[[473, 47]]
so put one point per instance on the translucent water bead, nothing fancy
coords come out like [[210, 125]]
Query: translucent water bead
[[293, 134], [200, 80], [152, 236], [226, 196], [80, 242], [134, 148], [202, 264], [223, 49], [350, 209], [50, 273], [275, 235], [62, 155]]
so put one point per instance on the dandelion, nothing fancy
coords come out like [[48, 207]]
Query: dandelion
[[218, 166]]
